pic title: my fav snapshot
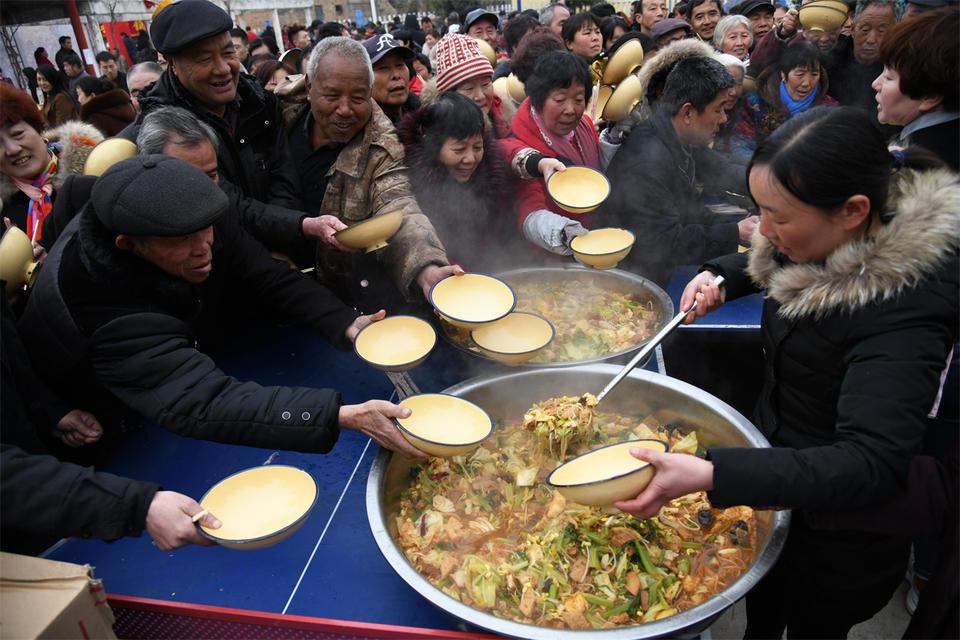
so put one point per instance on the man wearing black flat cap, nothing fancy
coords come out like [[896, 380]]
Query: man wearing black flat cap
[[482, 25], [759, 12], [391, 76], [145, 274], [204, 77]]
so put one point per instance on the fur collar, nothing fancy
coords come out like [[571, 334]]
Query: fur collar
[[922, 235], [77, 139]]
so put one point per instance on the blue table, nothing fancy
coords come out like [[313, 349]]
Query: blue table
[[332, 565], [741, 315]]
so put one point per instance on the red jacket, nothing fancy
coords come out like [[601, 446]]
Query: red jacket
[[531, 195]]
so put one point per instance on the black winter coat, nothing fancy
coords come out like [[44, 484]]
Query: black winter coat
[[854, 350], [253, 152], [41, 498], [657, 193], [115, 335]]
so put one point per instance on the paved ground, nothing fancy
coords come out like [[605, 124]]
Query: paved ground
[[889, 624]]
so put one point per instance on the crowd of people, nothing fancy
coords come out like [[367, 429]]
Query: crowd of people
[[832, 156]]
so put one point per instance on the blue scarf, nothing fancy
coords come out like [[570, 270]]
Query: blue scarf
[[795, 106]]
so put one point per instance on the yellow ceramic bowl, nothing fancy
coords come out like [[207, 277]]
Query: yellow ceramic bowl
[[472, 300], [260, 507], [17, 266], [371, 234], [108, 153], [291, 58], [605, 475], [602, 97], [578, 189], [517, 91], [396, 343], [822, 16], [602, 248], [624, 62], [488, 52], [515, 338], [444, 425], [624, 99]]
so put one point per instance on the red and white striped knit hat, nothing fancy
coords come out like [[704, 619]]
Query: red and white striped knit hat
[[458, 59]]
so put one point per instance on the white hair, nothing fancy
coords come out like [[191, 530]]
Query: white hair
[[726, 24], [343, 47], [729, 60]]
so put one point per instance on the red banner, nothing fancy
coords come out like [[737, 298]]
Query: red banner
[[112, 33]]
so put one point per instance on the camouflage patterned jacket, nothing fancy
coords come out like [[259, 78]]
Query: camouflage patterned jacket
[[369, 178]]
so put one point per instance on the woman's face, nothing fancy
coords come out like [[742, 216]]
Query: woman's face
[[430, 40], [43, 83], [798, 230], [587, 42], [278, 76], [83, 97], [737, 41], [618, 32], [421, 70], [737, 72], [801, 81], [563, 108], [462, 157], [480, 90], [23, 153], [893, 107]]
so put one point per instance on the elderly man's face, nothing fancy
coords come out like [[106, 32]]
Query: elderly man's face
[[762, 20], [339, 100], [202, 156], [391, 80], [242, 46], [672, 36], [869, 30], [560, 17], [188, 257], [485, 30], [137, 82], [209, 70], [704, 19], [653, 12]]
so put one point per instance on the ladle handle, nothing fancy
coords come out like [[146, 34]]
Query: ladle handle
[[651, 345]]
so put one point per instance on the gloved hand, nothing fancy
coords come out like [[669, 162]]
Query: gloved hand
[[552, 232]]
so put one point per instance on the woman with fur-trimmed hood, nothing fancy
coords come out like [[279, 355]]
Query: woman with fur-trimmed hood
[[461, 181], [37, 162], [857, 255]]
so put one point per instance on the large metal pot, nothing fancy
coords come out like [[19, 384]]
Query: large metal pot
[[642, 393], [610, 279]]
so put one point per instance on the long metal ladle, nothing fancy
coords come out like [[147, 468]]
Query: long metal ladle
[[651, 345]]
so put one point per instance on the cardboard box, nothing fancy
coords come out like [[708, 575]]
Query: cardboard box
[[48, 599]]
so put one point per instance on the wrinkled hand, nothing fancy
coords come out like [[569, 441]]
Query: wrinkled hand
[[745, 227], [789, 23], [325, 228], [707, 294], [362, 322], [170, 524], [432, 274], [374, 419], [678, 474], [78, 428], [549, 166]]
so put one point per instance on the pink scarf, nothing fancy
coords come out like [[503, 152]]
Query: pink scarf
[[580, 145], [40, 192]]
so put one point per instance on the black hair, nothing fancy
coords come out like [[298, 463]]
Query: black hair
[[681, 10], [533, 13], [803, 54], [693, 4], [516, 29], [237, 32], [558, 70], [267, 68], [73, 60], [609, 25], [63, 39], [603, 10], [38, 53], [55, 78], [105, 56], [825, 155], [648, 42], [425, 61], [329, 30], [270, 43], [697, 80], [94, 86], [575, 22], [450, 116], [256, 42]]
